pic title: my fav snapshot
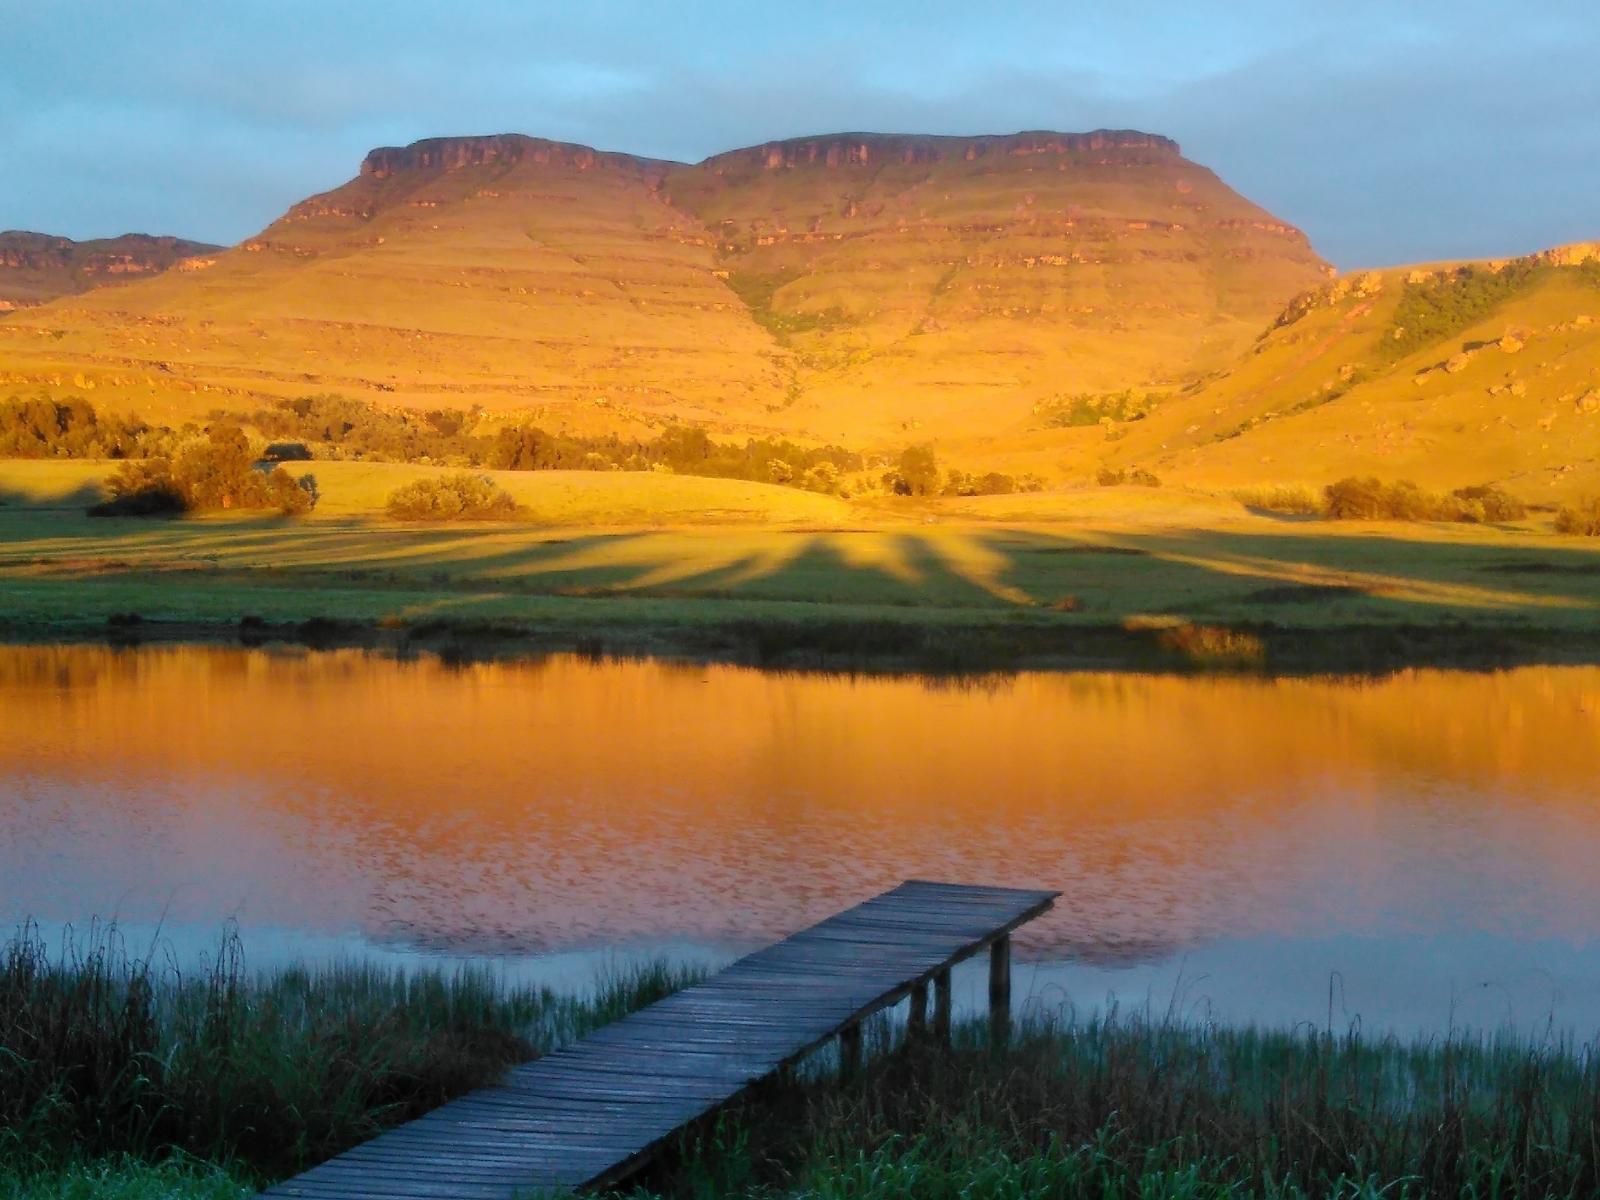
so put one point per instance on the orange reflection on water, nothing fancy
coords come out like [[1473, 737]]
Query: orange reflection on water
[[564, 803]]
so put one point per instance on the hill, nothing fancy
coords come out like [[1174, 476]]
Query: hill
[[36, 268], [1451, 375], [860, 288]]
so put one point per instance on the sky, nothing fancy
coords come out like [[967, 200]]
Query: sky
[[1393, 131]]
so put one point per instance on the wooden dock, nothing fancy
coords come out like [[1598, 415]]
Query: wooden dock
[[594, 1112]]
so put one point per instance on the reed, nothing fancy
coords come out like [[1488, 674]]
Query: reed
[[105, 1053]]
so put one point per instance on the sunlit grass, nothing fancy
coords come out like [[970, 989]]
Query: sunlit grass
[[1017, 591]]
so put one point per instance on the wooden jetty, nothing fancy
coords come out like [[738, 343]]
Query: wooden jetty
[[590, 1114]]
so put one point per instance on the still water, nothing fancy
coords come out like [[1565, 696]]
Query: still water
[[1414, 853]]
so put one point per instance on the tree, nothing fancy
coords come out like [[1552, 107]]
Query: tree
[[919, 470]]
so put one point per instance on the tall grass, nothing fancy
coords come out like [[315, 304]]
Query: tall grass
[[115, 1074], [1139, 1108], [104, 1053]]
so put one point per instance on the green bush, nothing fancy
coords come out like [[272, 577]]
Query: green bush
[[1440, 307], [1581, 518], [217, 473], [462, 496]]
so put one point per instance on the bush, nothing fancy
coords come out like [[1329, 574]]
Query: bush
[[1581, 518], [1370, 499], [142, 488], [918, 470], [462, 496], [1297, 500], [217, 473], [1489, 502], [1137, 476]]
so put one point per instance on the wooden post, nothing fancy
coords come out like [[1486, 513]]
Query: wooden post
[[850, 1049], [941, 1007], [1000, 991], [917, 1018]]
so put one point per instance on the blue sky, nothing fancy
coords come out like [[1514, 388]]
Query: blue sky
[[1391, 132]]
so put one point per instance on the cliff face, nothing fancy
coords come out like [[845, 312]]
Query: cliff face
[[877, 149], [37, 267], [454, 153], [854, 287]]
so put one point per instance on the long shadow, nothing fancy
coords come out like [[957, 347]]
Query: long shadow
[[1331, 599]]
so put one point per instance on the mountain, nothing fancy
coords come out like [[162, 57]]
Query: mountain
[[864, 288], [36, 267], [1450, 375]]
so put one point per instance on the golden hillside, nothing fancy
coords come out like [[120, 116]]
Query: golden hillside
[[859, 288], [1450, 375]]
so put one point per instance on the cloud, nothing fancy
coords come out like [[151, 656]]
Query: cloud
[[1389, 132]]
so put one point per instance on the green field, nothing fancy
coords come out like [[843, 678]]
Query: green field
[[717, 568]]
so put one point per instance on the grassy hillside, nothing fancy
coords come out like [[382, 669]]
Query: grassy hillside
[[1451, 376], [906, 288]]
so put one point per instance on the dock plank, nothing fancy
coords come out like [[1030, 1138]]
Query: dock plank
[[590, 1114]]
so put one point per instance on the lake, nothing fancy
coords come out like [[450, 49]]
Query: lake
[[1414, 853]]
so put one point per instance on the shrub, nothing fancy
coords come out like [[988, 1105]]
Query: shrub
[[1443, 305], [1214, 645], [462, 496], [1370, 499], [217, 473], [1581, 518], [918, 469], [1489, 502], [1137, 476], [1298, 500], [142, 488]]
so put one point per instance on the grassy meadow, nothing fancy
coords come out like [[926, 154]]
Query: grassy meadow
[[647, 563], [656, 563], [130, 1081]]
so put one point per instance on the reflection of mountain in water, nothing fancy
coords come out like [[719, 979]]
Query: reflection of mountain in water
[[514, 809]]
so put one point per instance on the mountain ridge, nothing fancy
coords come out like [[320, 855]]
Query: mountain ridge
[[36, 268], [956, 281]]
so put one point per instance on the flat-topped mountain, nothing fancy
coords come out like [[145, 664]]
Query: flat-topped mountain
[[38, 267], [856, 287]]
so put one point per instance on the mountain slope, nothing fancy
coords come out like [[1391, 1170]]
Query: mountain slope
[[1451, 375], [864, 288], [945, 284], [36, 267]]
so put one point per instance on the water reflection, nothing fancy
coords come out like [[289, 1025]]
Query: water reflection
[[340, 800]]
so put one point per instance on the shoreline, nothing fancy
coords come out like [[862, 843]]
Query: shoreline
[[870, 647]]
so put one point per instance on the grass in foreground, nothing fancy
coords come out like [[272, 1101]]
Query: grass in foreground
[[104, 1054], [1135, 1108], [123, 1083]]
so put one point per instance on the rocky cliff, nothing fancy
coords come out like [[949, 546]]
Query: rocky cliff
[[37, 267]]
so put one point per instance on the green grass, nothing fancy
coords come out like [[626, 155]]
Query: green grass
[[1140, 1107], [126, 1082], [1024, 581], [106, 1054], [126, 1178]]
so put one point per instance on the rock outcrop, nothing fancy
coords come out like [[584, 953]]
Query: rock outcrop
[[38, 267]]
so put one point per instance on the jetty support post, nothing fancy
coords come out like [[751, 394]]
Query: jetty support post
[[917, 1017], [850, 1049], [1000, 991], [941, 1007]]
